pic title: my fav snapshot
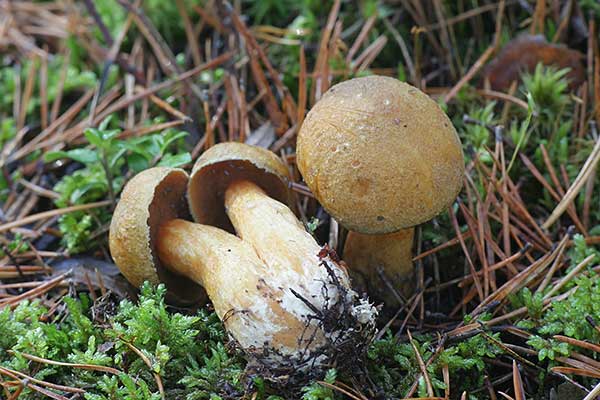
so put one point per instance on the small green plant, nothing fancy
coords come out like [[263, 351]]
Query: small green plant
[[565, 317], [548, 99], [15, 246], [568, 316], [476, 134], [533, 301], [187, 352], [548, 348], [105, 162], [394, 367], [316, 391], [580, 251], [548, 89]]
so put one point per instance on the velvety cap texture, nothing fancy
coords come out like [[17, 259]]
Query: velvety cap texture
[[380, 155]]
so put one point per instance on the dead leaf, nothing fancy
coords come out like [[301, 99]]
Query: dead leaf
[[81, 266], [264, 136], [523, 54]]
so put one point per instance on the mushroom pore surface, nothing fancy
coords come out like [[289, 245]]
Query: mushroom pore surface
[[224, 163], [380, 155]]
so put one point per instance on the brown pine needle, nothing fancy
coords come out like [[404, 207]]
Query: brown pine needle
[[518, 383], [584, 174], [50, 385], [576, 371], [579, 343], [89, 367], [422, 366], [148, 363], [570, 275], [341, 390], [52, 213]]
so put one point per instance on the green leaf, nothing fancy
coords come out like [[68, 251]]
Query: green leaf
[[170, 138], [104, 124], [115, 158], [137, 162], [94, 136], [524, 131], [84, 156], [176, 160], [101, 138]]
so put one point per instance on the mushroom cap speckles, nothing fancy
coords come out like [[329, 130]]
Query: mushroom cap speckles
[[150, 198], [227, 162], [380, 155]]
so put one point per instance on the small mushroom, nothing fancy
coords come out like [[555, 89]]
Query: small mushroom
[[245, 188], [381, 157], [268, 307]]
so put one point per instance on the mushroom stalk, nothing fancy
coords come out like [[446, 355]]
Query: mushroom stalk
[[203, 253], [381, 263], [239, 286], [313, 289], [279, 238]]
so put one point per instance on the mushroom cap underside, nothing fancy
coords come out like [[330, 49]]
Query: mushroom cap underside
[[225, 163], [149, 199]]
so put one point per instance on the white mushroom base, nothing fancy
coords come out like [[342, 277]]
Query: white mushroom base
[[282, 298]]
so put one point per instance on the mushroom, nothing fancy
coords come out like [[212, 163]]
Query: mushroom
[[267, 307], [381, 157], [244, 188], [150, 198]]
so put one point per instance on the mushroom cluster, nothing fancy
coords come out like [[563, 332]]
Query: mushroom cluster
[[286, 303], [381, 157]]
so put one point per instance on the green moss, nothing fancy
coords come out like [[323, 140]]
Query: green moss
[[187, 352]]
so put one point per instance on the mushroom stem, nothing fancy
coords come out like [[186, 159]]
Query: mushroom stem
[[312, 288], [202, 253], [376, 262], [279, 238], [245, 296]]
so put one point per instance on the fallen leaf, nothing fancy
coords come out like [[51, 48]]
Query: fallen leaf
[[81, 266], [263, 136], [522, 54]]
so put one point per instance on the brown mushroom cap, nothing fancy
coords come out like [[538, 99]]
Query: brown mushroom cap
[[227, 162], [380, 155], [149, 199]]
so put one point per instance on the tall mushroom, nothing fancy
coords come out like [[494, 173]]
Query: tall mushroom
[[381, 157], [266, 310]]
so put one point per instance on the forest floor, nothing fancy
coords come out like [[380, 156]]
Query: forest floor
[[507, 286]]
